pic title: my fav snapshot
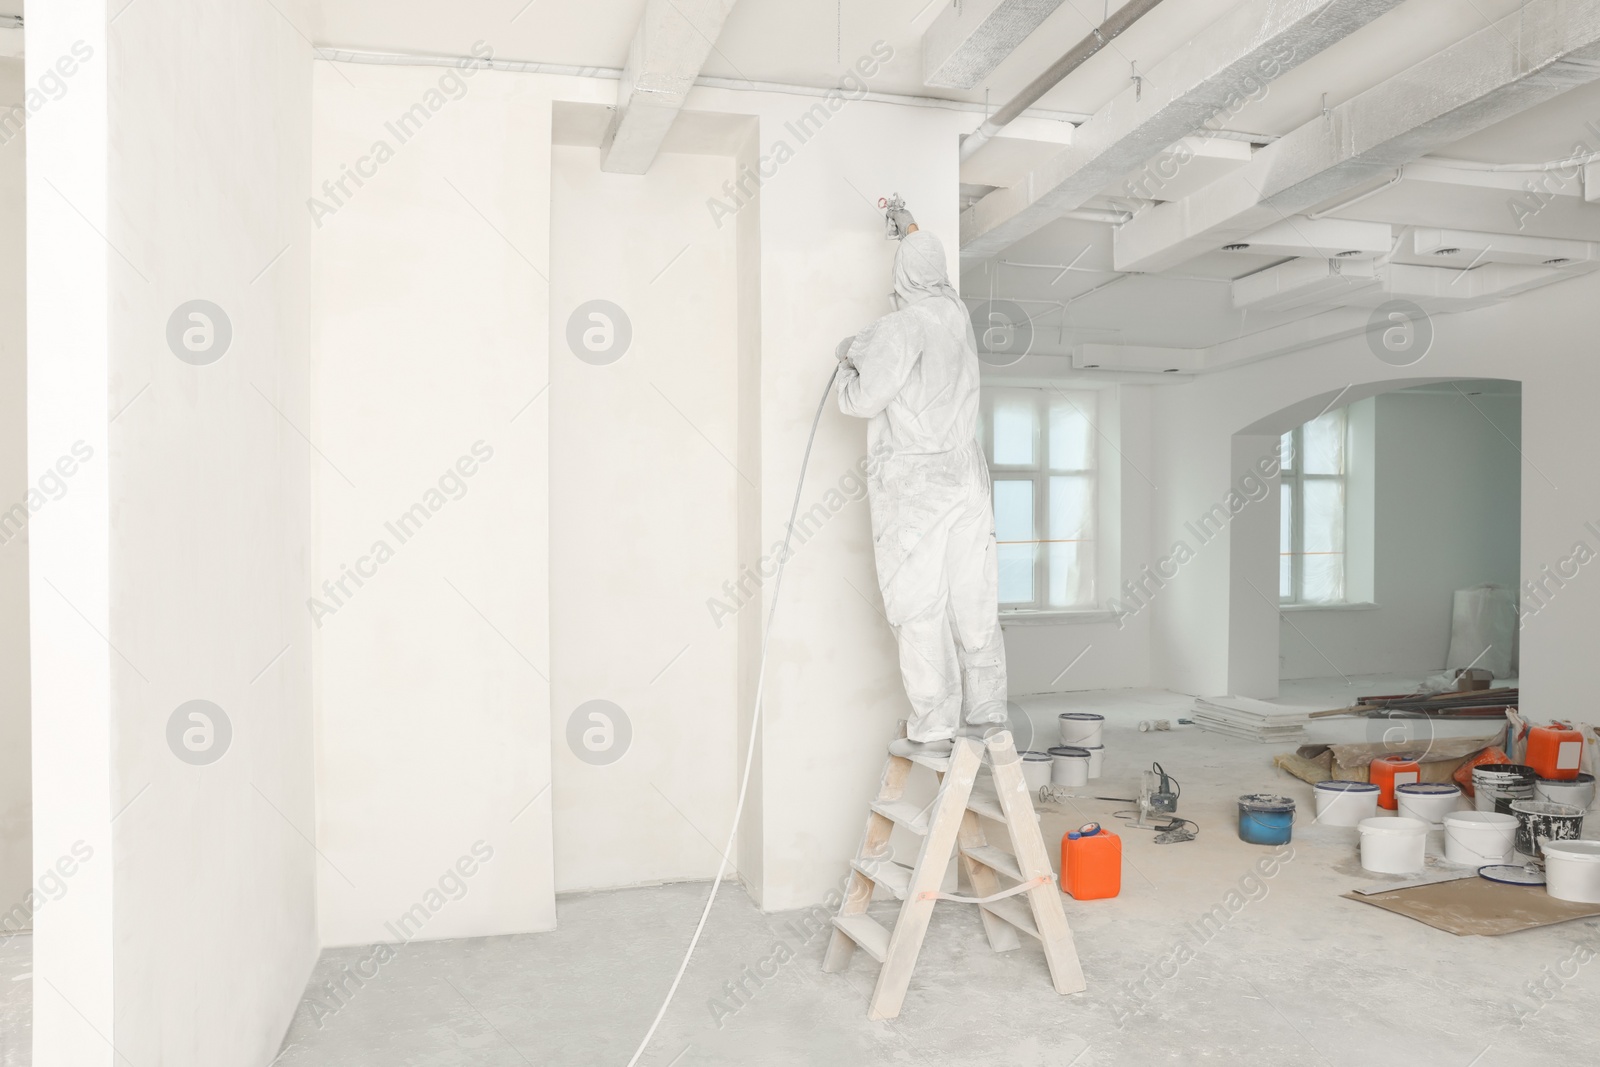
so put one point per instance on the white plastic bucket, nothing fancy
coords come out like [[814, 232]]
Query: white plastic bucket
[[1572, 870], [1478, 838], [1345, 803], [1579, 792], [1496, 785], [1393, 844], [1427, 802], [1081, 727], [1097, 759], [1036, 769], [1069, 766]]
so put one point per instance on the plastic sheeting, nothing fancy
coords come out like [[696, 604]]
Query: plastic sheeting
[[1483, 630]]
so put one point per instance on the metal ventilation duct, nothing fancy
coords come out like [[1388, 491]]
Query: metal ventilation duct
[[971, 37]]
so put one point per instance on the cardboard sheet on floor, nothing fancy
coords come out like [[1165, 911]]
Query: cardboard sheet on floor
[[1439, 757], [1478, 906]]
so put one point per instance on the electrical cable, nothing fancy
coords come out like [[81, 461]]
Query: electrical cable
[[755, 720]]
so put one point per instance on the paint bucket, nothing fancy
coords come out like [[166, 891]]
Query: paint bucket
[[1579, 792], [1428, 802], [1386, 772], [1496, 785], [1097, 759], [1476, 838], [1036, 770], [1540, 820], [1345, 803], [1393, 845], [1081, 727], [1069, 766], [1265, 819], [1572, 870]]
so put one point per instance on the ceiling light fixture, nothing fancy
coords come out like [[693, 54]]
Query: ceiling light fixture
[[1235, 247], [1446, 252], [1347, 254], [1557, 261]]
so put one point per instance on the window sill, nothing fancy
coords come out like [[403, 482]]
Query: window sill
[[1359, 605], [1066, 617]]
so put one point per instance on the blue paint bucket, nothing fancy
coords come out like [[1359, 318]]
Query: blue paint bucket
[[1265, 819]]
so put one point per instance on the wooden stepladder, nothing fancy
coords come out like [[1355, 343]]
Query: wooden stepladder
[[954, 821]]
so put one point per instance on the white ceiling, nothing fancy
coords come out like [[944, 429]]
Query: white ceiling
[[812, 43]]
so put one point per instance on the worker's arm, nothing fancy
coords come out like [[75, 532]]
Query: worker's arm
[[878, 364]]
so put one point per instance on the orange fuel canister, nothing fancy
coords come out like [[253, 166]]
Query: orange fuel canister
[[1386, 772], [1554, 751], [1091, 863]]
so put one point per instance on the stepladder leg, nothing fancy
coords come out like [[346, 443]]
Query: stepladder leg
[[1066, 972], [944, 827], [1002, 935]]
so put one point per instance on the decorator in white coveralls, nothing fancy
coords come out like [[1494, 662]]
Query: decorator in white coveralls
[[914, 375]]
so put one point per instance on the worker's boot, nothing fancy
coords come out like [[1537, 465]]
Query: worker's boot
[[905, 747]]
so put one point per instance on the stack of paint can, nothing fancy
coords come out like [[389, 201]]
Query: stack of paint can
[[1085, 730]]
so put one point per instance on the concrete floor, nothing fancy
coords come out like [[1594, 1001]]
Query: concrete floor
[[1297, 976], [16, 1000]]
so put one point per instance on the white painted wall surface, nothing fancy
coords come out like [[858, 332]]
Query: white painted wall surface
[[396, 265], [16, 780], [1447, 517], [643, 496], [430, 336], [167, 163], [209, 156], [76, 788]]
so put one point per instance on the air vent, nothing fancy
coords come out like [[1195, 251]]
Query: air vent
[[1557, 261], [1347, 254], [1446, 252], [1235, 247]]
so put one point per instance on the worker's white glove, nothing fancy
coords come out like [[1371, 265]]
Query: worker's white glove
[[902, 221], [842, 353]]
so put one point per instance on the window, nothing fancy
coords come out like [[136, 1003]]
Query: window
[[1312, 511], [1041, 449]]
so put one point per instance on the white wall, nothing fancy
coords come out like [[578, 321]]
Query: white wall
[[643, 494], [396, 264], [430, 335], [1447, 517], [1537, 338], [16, 800], [168, 163]]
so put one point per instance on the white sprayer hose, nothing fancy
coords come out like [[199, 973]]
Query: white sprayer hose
[[755, 720]]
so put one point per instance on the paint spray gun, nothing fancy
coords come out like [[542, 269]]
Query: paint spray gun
[[896, 219]]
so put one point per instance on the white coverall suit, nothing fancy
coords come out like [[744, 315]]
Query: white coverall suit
[[914, 375]]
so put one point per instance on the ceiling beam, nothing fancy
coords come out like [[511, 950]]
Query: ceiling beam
[[1215, 72], [1528, 57], [968, 40], [668, 49]]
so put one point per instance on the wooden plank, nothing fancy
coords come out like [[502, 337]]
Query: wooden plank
[[907, 813], [1066, 973], [986, 804], [982, 881], [867, 933], [894, 877], [1015, 912], [937, 846], [996, 859]]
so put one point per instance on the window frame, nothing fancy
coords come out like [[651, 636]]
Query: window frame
[[1039, 474], [1292, 477]]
